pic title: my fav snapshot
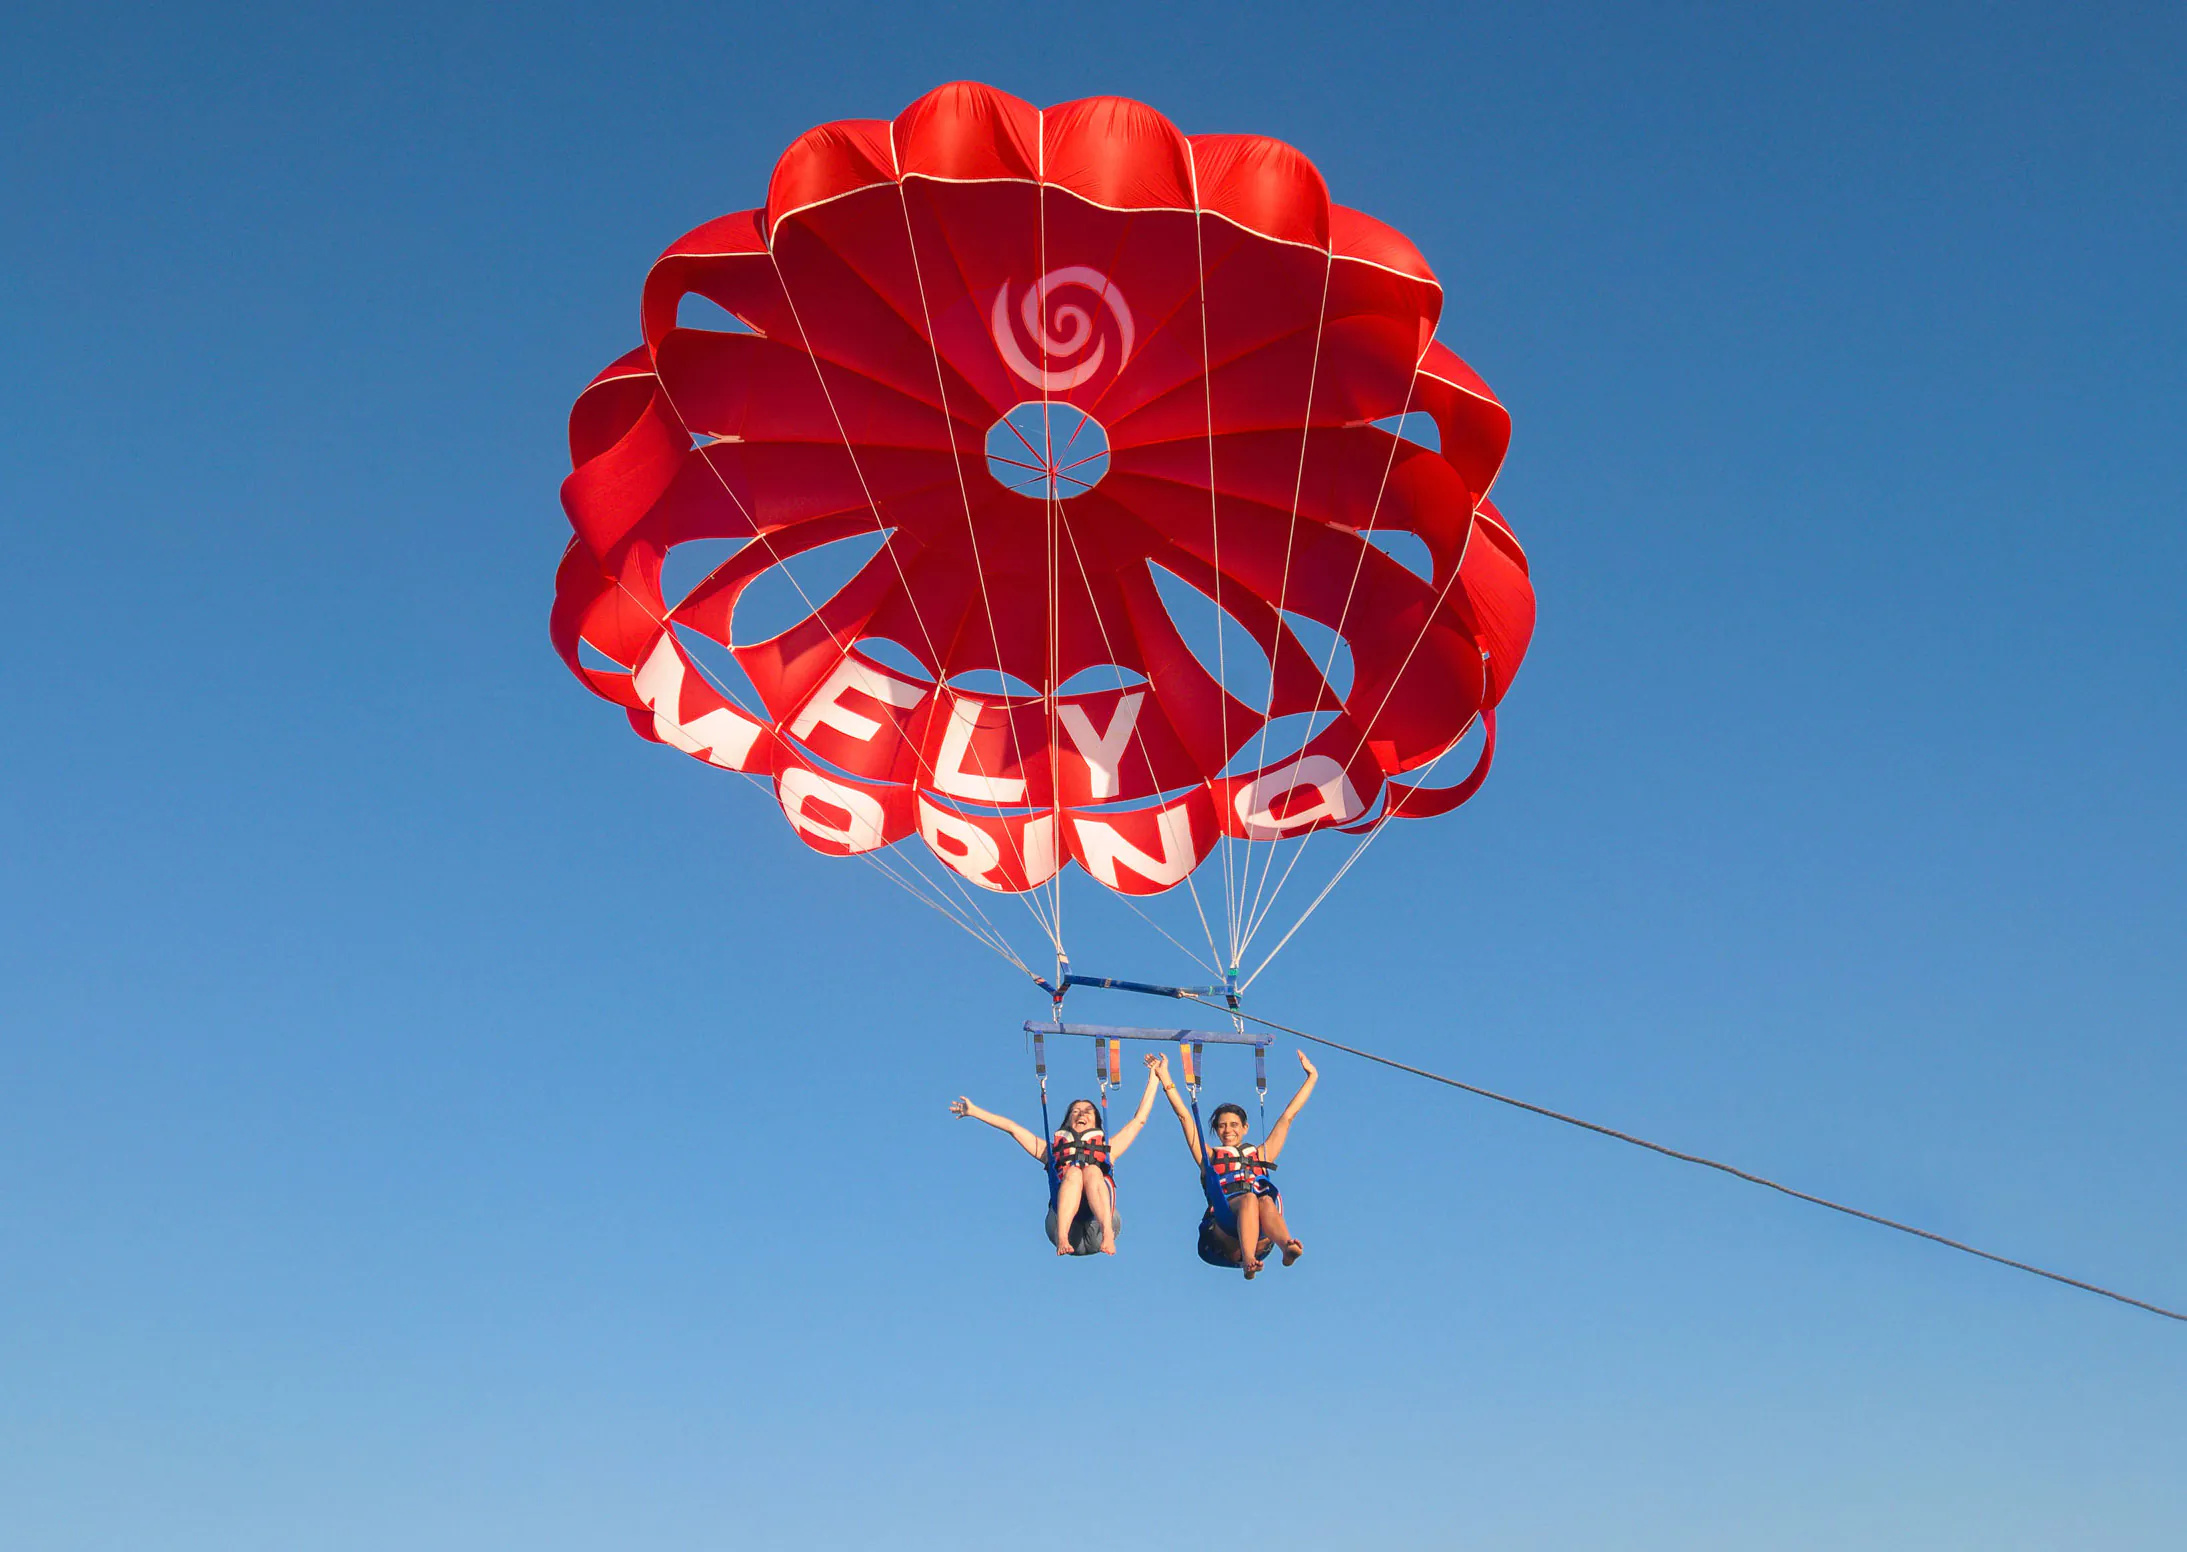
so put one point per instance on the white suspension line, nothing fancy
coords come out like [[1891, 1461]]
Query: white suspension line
[[1283, 588], [1051, 511], [1000, 945], [1338, 877], [987, 935], [778, 562], [1427, 622], [1215, 540], [1165, 932], [1344, 614], [903, 581], [971, 529], [1108, 646]]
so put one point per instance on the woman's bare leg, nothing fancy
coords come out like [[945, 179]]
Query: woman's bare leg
[[1102, 1199], [1273, 1225], [1067, 1197], [1247, 1208]]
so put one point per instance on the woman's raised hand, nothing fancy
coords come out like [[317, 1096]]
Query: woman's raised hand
[[1158, 1064], [1311, 1070], [960, 1106]]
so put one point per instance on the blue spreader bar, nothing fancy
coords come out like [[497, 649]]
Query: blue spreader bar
[[1167, 1036], [1142, 986]]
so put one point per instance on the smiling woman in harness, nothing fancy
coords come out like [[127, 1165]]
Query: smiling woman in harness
[[1244, 1218], [1080, 1161]]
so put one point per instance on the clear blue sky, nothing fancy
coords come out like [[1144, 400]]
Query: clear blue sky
[[431, 1118]]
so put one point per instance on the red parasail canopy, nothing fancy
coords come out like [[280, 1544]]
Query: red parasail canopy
[[1195, 305]]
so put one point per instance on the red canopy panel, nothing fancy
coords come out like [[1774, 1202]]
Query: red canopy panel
[[1234, 335]]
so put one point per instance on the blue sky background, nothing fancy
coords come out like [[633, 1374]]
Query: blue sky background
[[430, 1117]]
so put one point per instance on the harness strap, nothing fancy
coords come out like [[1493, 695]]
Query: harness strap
[[1048, 1161], [1210, 1186], [1245, 1160]]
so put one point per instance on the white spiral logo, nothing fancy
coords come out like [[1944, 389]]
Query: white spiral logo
[[1072, 329]]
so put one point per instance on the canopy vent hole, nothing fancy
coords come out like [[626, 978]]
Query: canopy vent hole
[[1047, 450]]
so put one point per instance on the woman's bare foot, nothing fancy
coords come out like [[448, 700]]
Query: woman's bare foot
[[1292, 1250], [1108, 1244], [1063, 1247], [1252, 1267]]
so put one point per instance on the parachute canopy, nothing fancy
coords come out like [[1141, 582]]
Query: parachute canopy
[[1066, 365]]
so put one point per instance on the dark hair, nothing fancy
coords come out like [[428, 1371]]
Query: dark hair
[[1101, 1122], [1236, 1110]]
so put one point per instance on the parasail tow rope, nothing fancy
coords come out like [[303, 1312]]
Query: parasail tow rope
[[1695, 1158]]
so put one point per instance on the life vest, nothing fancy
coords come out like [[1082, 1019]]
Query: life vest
[[1067, 1148], [1237, 1170]]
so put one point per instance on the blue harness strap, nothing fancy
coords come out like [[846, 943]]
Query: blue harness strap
[[1218, 1205], [1048, 1148], [1047, 1132]]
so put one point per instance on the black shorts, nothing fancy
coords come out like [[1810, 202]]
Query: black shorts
[[1217, 1244]]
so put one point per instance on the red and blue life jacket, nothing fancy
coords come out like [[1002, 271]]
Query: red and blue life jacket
[[1067, 1148], [1237, 1170]]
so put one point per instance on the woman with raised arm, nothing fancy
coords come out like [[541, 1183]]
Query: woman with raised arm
[[1079, 1158], [1244, 1218]]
